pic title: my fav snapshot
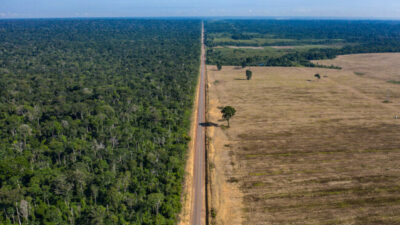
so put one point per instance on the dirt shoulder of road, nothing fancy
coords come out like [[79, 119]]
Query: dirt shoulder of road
[[187, 196]]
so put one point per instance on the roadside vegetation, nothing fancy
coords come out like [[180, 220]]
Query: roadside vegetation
[[94, 117], [296, 42]]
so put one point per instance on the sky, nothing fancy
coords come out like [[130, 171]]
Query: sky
[[389, 9]]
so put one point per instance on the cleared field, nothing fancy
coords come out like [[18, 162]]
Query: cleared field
[[384, 66], [269, 51], [254, 41], [268, 40], [302, 150], [235, 55]]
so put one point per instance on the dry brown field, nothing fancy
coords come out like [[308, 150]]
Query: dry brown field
[[384, 66], [306, 151]]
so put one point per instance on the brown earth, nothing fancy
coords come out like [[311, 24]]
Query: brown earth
[[306, 151], [383, 66], [226, 197]]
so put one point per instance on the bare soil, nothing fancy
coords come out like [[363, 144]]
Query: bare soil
[[383, 66], [283, 47], [226, 197], [302, 150], [242, 47]]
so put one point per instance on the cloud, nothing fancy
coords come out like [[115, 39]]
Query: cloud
[[9, 15]]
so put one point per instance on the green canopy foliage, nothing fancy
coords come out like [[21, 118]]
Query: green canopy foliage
[[249, 74], [227, 113], [94, 116], [338, 36]]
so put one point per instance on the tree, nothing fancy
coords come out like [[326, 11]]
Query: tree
[[249, 74], [244, 64], [26, 131], [97, 215], [227, 113], [24, 209], [219, 66], [155, 200]]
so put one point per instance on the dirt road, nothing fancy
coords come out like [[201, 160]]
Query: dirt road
[[198, 214]]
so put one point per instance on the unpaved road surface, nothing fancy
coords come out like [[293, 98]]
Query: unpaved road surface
[[198, 214]]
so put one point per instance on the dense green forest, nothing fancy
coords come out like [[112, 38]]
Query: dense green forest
[[339, 37], [94, 117]]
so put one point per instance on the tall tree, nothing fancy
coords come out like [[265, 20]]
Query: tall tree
[[219, 66], [249, 74], [227, 113]]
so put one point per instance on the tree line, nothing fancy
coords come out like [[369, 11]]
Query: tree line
[[356, 37]]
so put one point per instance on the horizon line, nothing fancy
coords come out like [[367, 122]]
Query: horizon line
[[212, 17]]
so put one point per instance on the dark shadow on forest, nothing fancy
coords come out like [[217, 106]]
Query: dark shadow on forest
[[209, 124]]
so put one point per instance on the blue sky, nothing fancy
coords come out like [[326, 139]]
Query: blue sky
[[178, 8]]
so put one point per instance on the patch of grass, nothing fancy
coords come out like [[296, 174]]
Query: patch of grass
[[258, 174], [271, 52], [213, 213], [359, 73], [333, 222], [226, 52], [224, 127], [394, 81], [266, 40], [258, 184], [267, 173], [253, 42], [211, 165], [233, 180]]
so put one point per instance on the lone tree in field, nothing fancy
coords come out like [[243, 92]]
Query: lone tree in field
[[317, 76], [249, 74], [227, 113], [219, 66], [244, 64]]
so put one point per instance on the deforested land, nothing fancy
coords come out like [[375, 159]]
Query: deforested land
[[303, 150]]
